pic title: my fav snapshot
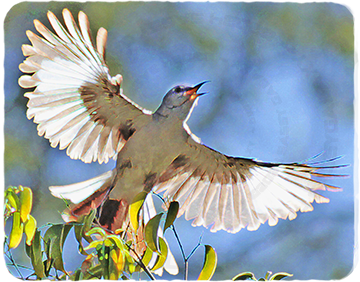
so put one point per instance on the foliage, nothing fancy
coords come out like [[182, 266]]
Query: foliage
[[18, 204], [268, 276], [136, 16], [139, 248]]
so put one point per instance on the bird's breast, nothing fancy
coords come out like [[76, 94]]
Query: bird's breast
[[142, 160]]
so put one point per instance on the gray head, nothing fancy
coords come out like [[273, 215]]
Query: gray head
[[179, 100]]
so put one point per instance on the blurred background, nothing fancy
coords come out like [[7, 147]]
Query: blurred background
[[281, 90]]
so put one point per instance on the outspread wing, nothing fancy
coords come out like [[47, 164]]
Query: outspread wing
[[234, 193], [76, 103]]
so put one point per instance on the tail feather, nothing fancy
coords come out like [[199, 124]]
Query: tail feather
[[74, 211], [113, 214], [79, 192], [93, 194]]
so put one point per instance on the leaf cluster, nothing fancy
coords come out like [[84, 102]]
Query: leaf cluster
[[139, 248], [17, 206], [268, 276]]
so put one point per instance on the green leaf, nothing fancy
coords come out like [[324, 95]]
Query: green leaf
[[130, 265], [151, 232], [135, 208], [93, 272], [123, 277], [35, 254], [280, 275], [103, 255], [244, 276], [92, 279], [54, 239], [77, 276], [88, 221], [162, 256], [210, 262], [171, 214], [82, 227]]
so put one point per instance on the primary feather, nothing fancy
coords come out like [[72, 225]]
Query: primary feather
[[76, 102]]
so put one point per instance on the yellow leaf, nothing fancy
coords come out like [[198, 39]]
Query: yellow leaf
[[25, 203], [210, 262], [118, 258], [113, 275], [135, 208], [112, 268], [16, 231], [244, 276], [93, 244], [162, 256], [96, 230], [280, 275], [29, 229], [108, 243], [147, 256], [12, 199], [116, 240]]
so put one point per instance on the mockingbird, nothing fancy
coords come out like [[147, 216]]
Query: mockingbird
[[79, 106]]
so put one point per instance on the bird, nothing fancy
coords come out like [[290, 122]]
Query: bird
[[80, 107]]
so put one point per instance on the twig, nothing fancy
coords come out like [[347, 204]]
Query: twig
[[139, 262], [13, 263], [195, 248], [182, 252], [45, 225], [179, 242], [21, 266], [185, 258]]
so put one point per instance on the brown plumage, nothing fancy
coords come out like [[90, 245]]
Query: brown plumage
[[79, 106]]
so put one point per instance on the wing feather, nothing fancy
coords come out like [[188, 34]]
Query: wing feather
[[230, 193], [76, 103]]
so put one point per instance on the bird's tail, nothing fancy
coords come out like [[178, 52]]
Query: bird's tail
[[93, 194]]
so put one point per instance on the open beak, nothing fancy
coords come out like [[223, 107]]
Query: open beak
[[192, 92]]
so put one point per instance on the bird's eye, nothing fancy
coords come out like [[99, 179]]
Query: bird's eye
[[177, 89]]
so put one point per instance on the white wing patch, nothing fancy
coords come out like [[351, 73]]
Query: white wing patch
[[234, 202], [60, 64], [80, 191]]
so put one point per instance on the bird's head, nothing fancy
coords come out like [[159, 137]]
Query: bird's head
[[179, 100]]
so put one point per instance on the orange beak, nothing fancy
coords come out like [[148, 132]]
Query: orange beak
[[192, 92]]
